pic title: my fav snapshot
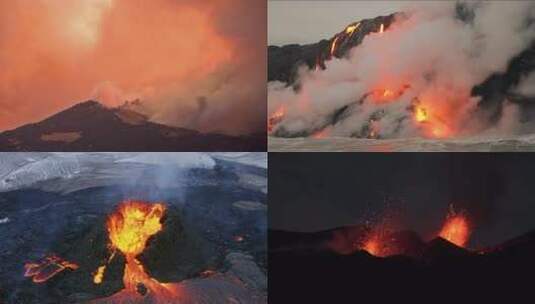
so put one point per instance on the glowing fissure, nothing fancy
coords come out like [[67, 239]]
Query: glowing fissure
[[47, 268]]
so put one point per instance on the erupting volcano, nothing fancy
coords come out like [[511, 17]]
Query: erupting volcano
[[456, 228], [129, 229]]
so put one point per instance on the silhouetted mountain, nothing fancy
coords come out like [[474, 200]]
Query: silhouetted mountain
[[90, 126], [441, 272], [283, 62]]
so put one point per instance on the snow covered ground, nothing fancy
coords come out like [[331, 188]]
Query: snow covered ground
[[21, 170]]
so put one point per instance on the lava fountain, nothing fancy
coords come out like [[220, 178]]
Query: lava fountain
[[129, 229], [456, 228]]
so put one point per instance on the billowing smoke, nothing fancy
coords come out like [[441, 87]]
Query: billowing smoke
[[167, 53], [414, 79]]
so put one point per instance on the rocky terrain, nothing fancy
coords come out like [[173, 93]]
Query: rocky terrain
[[212, 245]]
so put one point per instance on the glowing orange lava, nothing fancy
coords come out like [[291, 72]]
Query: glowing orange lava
[[333, 45], [420, 114], [372, 246], [321, 134], [350, 29], [456, 229], [382, 28], [47, 268], [99, 275], [129, 229], [275, 118]]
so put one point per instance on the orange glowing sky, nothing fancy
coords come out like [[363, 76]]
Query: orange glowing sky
[[55, 53]]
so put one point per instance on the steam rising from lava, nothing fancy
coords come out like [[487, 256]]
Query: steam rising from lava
[[412, 78], [167, 53]]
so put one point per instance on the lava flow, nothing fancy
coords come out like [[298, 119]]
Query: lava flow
[[275, 118], [129, 229], [456, 229], [50, 266]]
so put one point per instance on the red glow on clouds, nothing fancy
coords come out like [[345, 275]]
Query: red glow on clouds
[[166, 52]]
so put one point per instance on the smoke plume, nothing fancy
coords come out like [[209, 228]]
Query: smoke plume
[[167, 53]]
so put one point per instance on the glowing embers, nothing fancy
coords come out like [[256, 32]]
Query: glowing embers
[[275, 118], [47, 268], [456, 228]]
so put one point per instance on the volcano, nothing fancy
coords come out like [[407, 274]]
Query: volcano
[[423, 271], [91, 126], [159, 239]]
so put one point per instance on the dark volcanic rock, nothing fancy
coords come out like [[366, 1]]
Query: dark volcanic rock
[[90, 126], [444, 269], [284, 62]]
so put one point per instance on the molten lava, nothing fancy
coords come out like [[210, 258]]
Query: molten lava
[[99, 275], [420, 114], [47, 268], [333, 46], [382, 28], [456, 229], [129, 229], [275, 118], [352, 28], [372, 246], [132, 224]]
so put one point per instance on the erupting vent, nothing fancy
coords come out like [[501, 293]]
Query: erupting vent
[[129, 229], [456, 228]]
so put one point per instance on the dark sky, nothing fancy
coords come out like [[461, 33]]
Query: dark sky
[[318, 191]]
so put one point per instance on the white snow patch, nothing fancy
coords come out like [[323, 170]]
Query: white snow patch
[[180, 159]]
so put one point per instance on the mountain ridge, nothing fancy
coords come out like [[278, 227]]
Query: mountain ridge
[[91, 126]]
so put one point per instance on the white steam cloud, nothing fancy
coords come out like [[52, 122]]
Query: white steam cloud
[[428, 61]]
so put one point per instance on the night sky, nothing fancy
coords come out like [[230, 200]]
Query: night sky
[[318, 191]]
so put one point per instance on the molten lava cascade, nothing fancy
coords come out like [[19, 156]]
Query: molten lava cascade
[[333, 46], [47, 268], [129, 229], [375, 79], [456, 228]]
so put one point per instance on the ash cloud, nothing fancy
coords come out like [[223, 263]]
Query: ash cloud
[[166, 53], [442, 50]]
